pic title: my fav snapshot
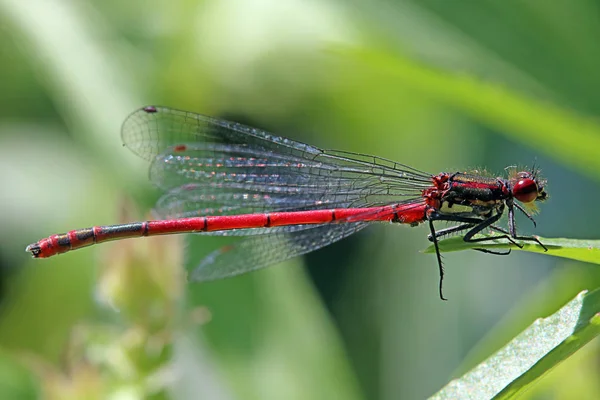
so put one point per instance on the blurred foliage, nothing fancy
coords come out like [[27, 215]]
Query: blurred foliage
[[434, 84]]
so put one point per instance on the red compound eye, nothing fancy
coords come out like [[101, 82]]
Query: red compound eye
[[525, 190]]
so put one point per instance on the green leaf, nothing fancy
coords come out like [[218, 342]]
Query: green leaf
[[531, 354], [575, 249]]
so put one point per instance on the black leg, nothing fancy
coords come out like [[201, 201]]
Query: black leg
[[513, 229], [453, 229], [475, 226], [446, 231], [496, 253], [439, 256], [486, 224], [478, 226], [498, 229], [517, 205]]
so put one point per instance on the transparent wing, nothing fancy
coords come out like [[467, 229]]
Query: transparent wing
[[256, 252], [209, 166]]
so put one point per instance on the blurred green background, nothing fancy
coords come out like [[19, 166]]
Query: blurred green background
[[439, 85]]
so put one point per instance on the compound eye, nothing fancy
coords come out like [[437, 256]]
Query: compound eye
[[525, 190]]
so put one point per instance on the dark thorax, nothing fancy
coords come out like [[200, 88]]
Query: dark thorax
[[471, 195]]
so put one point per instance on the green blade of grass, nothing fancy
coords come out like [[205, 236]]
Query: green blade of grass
[[531, 354], [564, 134], [574, 249]]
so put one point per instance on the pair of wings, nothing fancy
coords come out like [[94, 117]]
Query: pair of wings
[[207, 166]]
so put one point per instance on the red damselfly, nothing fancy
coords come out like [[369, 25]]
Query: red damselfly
[[290, 198]]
